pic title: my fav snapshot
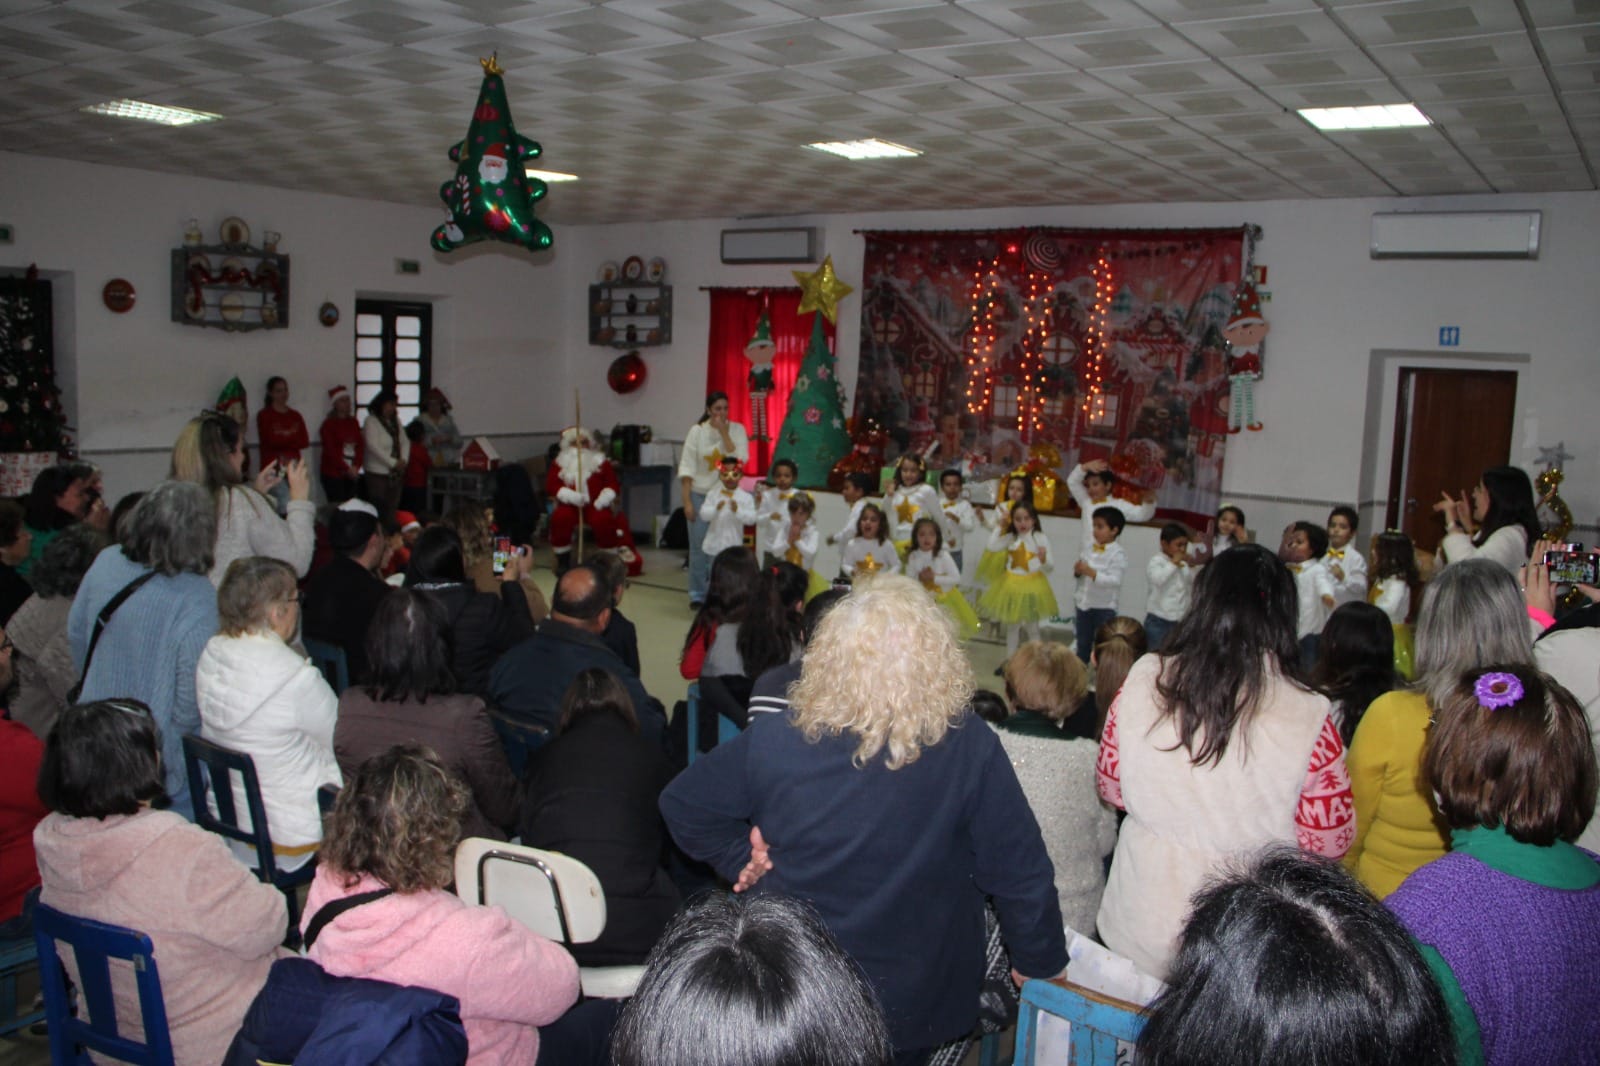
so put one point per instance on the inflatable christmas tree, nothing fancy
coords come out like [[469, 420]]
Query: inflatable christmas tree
[[813, 434]]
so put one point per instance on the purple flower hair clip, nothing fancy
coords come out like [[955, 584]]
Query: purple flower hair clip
[[1497, 690]]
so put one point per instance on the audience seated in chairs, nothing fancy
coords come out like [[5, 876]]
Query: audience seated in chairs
[[1290, 960], [341, 597], [410, 698], [42, 662], [593, 794], [750, 980], [391, 842], [619, 635], [529, 680], [20, 810], [106, 852], [482, 626], [474, 524], [259, 696], [149, 646]]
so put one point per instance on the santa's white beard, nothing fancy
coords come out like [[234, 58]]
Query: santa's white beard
[[572, 459], [492, 170]]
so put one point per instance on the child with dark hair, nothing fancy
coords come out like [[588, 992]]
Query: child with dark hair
[[992, 563], [1304, 545], [956, 513], [1090, 484], [1355, 663], [931, 565], [727, 509], [773, 508], [990, 706], [1509, 919], [1346, 565], [1099, 571], [1170, 579], [1021, 597], [870, 551], [910, 498], [1394, 577], [414, 489], [855, 490]]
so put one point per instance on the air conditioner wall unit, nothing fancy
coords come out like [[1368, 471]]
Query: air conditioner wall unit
[[794, 244], [1456, 235]]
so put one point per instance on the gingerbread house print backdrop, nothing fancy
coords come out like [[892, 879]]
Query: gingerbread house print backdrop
[[981, 348]]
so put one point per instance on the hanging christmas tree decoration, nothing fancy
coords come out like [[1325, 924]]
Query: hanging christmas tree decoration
[[821, 290], [626, 373], [492, 197], [1245, 331], [1097, 341], [813, 434]]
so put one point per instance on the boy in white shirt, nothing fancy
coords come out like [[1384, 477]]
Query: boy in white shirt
[[728, 509], [1090, 485], [1171, 581], [956, 516], [1346, 565], [1304, 545], [857, 487], [774, 509], [1099, 571]]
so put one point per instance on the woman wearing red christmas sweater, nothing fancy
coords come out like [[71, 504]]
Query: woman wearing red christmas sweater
[[281, 431], [342, 448]]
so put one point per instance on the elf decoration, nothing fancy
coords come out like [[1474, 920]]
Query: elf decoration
[[813, 434], [231, 401], [491, 197], [1245, 331]]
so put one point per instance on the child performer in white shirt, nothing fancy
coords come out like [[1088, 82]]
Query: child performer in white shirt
[[773, 506], [929, 563], [1304, 544], [1099, 571], [1021, 597], [992, 563], [857, 487], [1090, 485], [1394, 573], [870, 551], [1171, 580], [1345, 564], [728, 509], [958, 517], [1226, 531], [797, 539], [911, 498]]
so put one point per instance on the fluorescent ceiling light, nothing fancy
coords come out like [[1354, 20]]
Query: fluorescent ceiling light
[[1379, 117], [549, 175], [868, 149], [160, 114]]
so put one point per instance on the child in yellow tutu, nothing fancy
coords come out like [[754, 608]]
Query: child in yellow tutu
[[795, 540], [930, 564], [909, 499], [869, 551], [1394, 574], [992, 563], [1021, 597]]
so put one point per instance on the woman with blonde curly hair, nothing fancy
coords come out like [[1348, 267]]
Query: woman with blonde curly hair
[[380, 907], [881, 800]]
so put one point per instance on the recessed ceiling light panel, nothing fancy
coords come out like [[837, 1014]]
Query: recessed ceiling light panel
[[1378, 117], [550, 175], [160, 114], [868, 149]]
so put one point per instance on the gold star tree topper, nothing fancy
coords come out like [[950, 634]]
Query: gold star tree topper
[[821, 291]]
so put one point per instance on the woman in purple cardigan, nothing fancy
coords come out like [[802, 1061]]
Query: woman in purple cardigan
[[1509, 920]]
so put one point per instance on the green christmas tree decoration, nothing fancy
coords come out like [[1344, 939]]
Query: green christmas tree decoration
[[813, 434], [491, 197], [31, 419]]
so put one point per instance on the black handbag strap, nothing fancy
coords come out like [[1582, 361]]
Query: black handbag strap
[[99, 626], [332, 909]]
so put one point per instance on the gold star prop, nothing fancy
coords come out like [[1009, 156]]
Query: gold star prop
[[906, 509], [821, 291], [869, 565], [792, 556], [1020, 556]]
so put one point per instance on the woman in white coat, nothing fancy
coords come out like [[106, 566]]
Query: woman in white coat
[[260, 696], [1499, 523]]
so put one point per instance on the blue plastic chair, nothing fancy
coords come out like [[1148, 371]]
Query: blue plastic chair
[[726, 730], [16, 957], [519, 739], [94, 945], [208, 763], [330, 659], [1098, 1022]]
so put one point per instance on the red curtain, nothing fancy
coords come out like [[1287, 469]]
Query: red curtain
[[733, 320]]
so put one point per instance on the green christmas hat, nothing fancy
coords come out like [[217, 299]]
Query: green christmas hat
[[762, 337], [232, 393]]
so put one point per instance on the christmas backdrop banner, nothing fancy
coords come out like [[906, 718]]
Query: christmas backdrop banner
[[989, 350]]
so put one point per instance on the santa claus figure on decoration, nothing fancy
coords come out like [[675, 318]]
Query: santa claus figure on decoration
[[584, 485], [1245, 331]]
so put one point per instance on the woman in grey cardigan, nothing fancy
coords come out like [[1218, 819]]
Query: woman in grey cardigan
[[38, 630]]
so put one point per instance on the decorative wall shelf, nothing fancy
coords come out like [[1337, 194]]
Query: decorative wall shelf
[[236, 287], [630, 314]]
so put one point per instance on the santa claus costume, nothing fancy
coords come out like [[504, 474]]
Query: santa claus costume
[[584, 484]]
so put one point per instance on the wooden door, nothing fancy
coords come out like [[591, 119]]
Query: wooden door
[[1449, 426]]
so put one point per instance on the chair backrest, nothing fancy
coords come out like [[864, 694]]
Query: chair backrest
[[327, 795], [94, 945], [553, 894], [330, 659], [211, 767], [519, 739], [1097, 1023]]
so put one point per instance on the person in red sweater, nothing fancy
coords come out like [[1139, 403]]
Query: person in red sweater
[[342, 448], [20, 810], [414, 490], [282, 434]]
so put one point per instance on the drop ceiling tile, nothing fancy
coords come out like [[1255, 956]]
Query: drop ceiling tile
[[1032, 88], [1484, 85], [383, 21], [1170, 78], [519, 56], [1582, 104], [920, 27], [1210, 104], [1572, 44], [770, 84], [1416, 21], [1120, 48], [1576, 77], [594, 31], [1331, 66], [1345, 94], [1465, 56], [1534, 115], [1547, 14], [947, 94], [1043, 18], [804, 44], [598, 74], [1274, 35], [1094, 109], [689, 61], [706, 18], [1193, 10], [829, 8], [1000, 59]]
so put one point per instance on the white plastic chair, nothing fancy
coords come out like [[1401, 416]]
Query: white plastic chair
[[553, 894]]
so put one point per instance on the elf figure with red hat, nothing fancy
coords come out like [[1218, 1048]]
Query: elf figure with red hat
[[1245, 331], [584, 485], [342, 447]]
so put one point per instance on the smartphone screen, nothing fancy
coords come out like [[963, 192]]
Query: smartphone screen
[[1573, 567], [502, 553]]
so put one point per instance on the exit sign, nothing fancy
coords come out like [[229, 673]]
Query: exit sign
[[1449, 336]]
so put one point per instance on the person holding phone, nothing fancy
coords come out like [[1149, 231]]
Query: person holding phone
[[710, 440], [282, 433]]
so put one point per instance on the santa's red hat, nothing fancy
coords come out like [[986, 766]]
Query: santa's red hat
[[570, 435], [337, 393], [1246, 306], [495, 151], [406, 521]]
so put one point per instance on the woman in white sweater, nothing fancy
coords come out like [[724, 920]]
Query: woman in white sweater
[[210, 452], [1499, 523], [386, 451], [260, 696]]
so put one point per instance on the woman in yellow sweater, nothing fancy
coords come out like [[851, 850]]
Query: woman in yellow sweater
[[1472, 615]]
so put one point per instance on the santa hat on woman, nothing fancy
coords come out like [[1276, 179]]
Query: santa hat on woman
[[437, 393], [335, 394]]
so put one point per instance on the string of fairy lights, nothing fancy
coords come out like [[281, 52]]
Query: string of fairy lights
[[986, 291]]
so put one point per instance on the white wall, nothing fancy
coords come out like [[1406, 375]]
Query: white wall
[[133, 379]]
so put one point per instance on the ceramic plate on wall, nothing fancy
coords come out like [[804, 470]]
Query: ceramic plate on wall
[[235, 231], [657, 270], [632, 268], [609, 272], [232, 307]]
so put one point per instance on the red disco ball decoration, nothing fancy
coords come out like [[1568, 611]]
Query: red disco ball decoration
[[626, 374]]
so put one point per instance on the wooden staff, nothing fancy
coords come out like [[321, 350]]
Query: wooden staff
[[577, 423]]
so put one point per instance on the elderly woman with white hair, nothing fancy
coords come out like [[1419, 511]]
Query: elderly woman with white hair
[[882, 801]]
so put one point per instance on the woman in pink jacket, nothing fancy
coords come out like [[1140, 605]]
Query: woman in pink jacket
[[391, 840]]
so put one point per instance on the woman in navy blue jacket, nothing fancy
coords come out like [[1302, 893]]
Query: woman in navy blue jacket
[[881, 800]]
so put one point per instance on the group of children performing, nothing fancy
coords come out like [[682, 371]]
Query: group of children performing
[[921, 531]]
